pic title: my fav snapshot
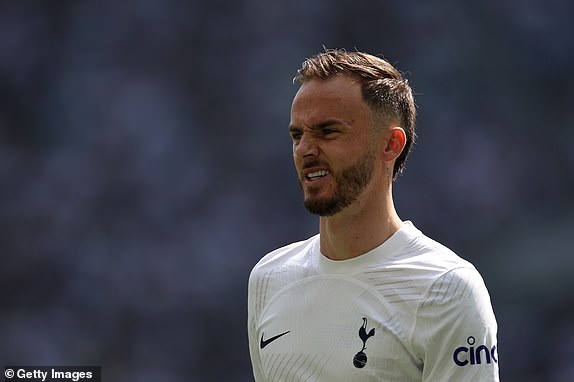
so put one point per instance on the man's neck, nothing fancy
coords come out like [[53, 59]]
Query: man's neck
[[350, 234]]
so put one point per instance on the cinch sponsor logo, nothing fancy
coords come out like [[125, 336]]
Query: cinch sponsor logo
[[463, 355]]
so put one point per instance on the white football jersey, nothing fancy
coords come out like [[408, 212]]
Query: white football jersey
[[409, 310]]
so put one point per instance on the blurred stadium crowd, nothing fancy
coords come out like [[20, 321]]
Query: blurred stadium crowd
[[146, 167]]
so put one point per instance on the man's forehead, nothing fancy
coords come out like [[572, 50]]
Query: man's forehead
[[330, 87], [335, 98], [327, 93]]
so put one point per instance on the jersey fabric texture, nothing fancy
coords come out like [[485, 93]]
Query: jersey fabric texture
[[409, 310]]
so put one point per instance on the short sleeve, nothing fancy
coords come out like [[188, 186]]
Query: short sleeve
[[253, 303], [455, 331]]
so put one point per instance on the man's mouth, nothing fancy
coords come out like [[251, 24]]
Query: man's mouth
[[317, 174]]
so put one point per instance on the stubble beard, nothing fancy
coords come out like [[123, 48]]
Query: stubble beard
[[349, 184]]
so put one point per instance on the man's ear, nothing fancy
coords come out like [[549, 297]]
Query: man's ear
[[396, 139]]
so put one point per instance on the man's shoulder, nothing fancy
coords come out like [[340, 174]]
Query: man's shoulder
[[422, 251], [446, 272], [438, 254], [289, 254], [424, 261]]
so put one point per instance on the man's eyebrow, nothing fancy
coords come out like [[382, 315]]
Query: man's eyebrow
[[293, 129], [317, 127], [325, 124]]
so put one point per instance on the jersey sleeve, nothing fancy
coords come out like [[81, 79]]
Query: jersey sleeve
[[455, 331], [252, 316]]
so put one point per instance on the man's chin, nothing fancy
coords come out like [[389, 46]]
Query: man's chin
[[324, 207]]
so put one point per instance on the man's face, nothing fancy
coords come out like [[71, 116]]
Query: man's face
[[333, 146]]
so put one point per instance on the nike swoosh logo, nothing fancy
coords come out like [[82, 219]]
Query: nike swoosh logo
[[266, 342]]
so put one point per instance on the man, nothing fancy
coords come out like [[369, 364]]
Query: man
[[370, 298]]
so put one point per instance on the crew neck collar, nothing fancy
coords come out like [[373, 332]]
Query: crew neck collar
[[325, 265]]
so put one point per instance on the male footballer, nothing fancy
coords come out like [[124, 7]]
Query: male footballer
[[369, 298]]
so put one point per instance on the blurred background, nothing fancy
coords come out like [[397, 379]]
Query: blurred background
[[145, 168]]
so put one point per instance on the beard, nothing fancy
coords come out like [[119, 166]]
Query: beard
[[349, 184]]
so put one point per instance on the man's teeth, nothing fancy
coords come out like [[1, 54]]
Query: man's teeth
[[317, 174]]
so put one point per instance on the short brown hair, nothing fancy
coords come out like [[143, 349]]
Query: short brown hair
[[383, 88]]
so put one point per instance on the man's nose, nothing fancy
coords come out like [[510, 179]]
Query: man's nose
[[307, 146]]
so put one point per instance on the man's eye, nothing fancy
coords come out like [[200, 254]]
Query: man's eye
[[296, 136], [328, 131]]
